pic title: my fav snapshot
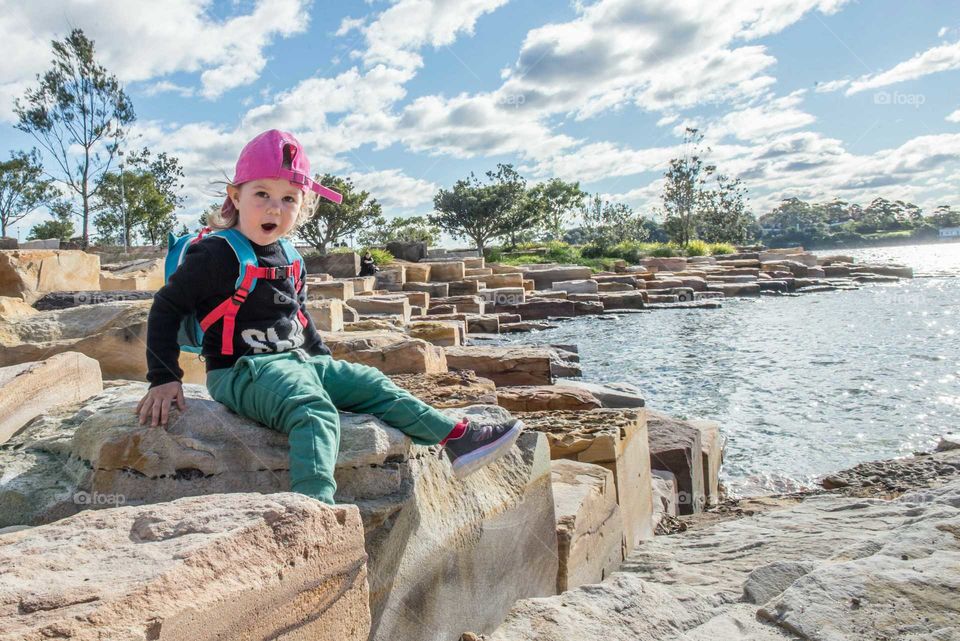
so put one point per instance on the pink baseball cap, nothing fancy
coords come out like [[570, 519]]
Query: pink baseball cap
[[265, 157]]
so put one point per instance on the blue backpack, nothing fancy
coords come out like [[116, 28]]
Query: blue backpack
[[190, 334]]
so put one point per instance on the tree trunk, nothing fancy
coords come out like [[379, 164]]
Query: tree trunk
[[86, 219]]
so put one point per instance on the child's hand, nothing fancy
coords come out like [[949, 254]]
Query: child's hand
[[156, 403]]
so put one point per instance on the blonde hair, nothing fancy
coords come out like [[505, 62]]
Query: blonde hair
[[228, 217]]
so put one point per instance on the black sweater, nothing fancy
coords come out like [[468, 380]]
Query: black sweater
[[267, 320]]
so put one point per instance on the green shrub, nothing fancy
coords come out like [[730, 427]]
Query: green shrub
[[591, 251], [722, 248], [697, 248], [339, 250], [561, 252], [380, 256], [665, 250]]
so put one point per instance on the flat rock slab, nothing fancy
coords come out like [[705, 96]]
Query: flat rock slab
[[64, 300], [615, 439], [832, 568], [589, 526], [28, 272], [677, 446], [536, 398], [30, 389], [236, 566], [431, 538], [113, 334], [504, 365], [389, 352], [449, 389]]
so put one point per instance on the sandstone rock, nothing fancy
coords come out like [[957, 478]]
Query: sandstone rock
[[327, 314], [64, 300], [389, 352], [589, 527], [141, 275], [436, 290], [418, 272], [525, 326], [446, 271], [30, 389], [238, 566], [664, 264], [676, 446], [26, 272], [615, 439], [665, 495], [362, 284], [541, 309], [418, 299], [385, 323], [465, 287], [494, 281], [338, 265], [398, 304], [41, 243], [535, 398], [407, 250], [503, 296], [881, 570], [441, 310], [443, 333], [612, 395], [623, 300], [11, 308], [391, 277], [711, 442], [513, 365], [114, 334], [769, 581], [615, 287], [340, 289], [545, 277], [735, 289], [449, 389], [588, 286], [478, 271], [464, 304], [430, 537]]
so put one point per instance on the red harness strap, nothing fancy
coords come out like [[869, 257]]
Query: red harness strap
[[298, 285], [228, 309]]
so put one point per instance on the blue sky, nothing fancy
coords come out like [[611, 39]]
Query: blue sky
[[808, 98]]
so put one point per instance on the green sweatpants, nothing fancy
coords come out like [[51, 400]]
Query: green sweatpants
[[299, 395]]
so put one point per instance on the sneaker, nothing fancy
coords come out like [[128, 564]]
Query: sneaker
[[481, 445]]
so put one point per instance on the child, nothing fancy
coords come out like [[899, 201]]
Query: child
[[269, 362]]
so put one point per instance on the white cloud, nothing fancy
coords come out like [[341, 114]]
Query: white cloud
[[934, 60], [394, 189], [832, 85], [167, 37], [942, 32], [759, 122], [165, 86], [954, 117]]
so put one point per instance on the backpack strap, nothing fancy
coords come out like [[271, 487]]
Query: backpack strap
[[246, 281], [296, 261], [250, 271]]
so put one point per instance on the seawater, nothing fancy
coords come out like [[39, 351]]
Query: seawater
[[801, 386]]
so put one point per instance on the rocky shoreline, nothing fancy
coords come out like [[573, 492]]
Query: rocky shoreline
[[110, 529]]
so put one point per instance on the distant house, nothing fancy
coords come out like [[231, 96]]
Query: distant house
[[950, 232]]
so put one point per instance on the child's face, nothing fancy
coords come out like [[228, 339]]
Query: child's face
[[268, 208]]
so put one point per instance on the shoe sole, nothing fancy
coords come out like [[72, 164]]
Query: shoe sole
[[469, 463]]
